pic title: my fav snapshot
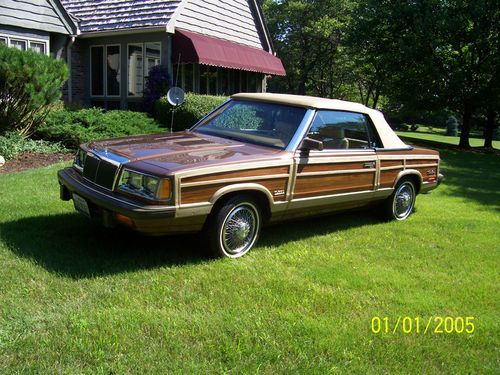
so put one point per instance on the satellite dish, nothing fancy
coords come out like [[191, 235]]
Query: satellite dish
[[175, 96]]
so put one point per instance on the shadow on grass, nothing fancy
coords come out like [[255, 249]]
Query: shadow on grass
[[473, 176], [72, 246]]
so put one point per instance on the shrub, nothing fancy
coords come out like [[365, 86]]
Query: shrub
[[403, 127], [187, 114], [414, 127], [72, 128], [157, 84], [452, 126], [13, 143], [29, 84]]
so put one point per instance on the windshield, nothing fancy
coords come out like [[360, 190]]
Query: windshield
[[262, 123]]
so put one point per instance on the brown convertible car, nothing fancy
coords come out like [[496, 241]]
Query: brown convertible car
[[258, 158]]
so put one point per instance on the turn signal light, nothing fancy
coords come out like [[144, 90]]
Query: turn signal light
[[165, 190], [125, 220]]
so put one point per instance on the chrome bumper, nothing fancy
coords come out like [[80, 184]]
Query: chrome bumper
[[440, 179], [71, 181]]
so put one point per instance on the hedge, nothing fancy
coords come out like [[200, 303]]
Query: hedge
[[29, 84], [72, 128], [187, 114]]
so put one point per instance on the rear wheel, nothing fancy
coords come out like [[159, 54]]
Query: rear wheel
[[401, 203], [234, 227]]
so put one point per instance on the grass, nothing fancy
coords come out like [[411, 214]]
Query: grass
[[437, 135], [75, 298]]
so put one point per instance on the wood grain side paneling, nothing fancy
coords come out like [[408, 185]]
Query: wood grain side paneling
[[235, 174], [310, 186], [426, 177], [391, 163], [388, 178], [304, 168], [421, 161], [199, 194]]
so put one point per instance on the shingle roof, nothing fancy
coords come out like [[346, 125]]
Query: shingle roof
[[102, 15]]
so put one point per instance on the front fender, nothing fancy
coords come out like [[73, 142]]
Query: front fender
[[242, 187]]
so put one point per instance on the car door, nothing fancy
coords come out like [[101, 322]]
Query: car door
[[345, 171]]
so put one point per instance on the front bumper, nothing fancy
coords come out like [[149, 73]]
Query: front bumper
[[440, 179], [106, 204]]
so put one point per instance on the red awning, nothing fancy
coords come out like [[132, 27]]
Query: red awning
[[196, 48]]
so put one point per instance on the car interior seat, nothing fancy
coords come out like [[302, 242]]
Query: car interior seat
[[334, 137]]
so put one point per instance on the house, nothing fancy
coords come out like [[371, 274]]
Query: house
[[216, 47], [41, 25]]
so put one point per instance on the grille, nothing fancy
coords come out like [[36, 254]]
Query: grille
[[99, 171]]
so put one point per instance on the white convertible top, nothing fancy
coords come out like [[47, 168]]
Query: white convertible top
[[387, 135]]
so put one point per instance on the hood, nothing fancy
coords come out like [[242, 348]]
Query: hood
[[181, 150]]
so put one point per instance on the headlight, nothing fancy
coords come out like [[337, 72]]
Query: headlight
[[80, 157], [146, 186]]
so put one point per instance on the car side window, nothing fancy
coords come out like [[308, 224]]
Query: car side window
[[340, 130]]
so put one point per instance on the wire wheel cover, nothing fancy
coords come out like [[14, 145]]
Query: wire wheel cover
[[240, 229], [404, 200]]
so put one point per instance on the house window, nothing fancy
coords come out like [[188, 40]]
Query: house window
[[235, 81], [141, 58], [204, 71], [38, 47], [18, 44], [97, 70], [252, 82], [135, 70], [222, 81], [208, 80], [113, 70], [105, 70], [153, 55], [243, 81], [184, 76], [188, 77]]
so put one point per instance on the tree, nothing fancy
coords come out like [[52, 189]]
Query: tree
[[437, 53], [308, 37]]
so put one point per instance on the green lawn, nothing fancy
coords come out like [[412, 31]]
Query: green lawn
[[437, 135], [77, 299]]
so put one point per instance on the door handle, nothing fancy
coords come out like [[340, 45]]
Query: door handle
[[370, 164]]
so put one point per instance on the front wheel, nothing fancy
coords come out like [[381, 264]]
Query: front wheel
[[233, 229], [401, 203]]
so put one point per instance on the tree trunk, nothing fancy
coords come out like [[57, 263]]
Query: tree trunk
[[303, 70], [302, 80], [376, 97], [490, 129], [465, 132]]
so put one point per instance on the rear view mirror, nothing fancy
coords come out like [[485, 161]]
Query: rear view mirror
[[311, 144]]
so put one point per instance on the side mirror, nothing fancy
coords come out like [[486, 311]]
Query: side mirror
[[311, 144]]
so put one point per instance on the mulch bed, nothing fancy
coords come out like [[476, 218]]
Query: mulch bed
[[31, 160]]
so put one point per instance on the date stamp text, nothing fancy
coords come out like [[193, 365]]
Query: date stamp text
[[420, 325]]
